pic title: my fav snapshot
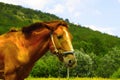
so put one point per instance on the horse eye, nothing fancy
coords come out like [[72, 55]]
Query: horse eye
[[59, 37]]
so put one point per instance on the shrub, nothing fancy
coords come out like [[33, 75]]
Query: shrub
[[84, 67], [48, 66], [116, 74]]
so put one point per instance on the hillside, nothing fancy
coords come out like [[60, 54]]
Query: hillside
[[98, 46], [17, 16]]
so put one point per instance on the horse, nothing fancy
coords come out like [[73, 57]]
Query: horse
[[20, 49]]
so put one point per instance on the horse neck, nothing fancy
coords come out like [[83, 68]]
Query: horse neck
[[38, 44]]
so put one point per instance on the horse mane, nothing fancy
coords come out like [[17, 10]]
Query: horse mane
[[32, 27], [52, 25]]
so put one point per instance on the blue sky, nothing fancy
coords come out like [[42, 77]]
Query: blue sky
[[101, 15]]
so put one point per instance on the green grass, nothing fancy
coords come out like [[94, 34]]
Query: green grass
[[70, 79]]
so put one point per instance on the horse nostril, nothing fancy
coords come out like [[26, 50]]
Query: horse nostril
[[70, 61]]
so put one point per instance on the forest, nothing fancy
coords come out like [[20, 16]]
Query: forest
[[98, 54]]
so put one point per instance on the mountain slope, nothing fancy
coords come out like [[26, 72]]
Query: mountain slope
[[18, 16]]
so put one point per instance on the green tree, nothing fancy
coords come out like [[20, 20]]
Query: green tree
[[98, 46], [109, 63], [116, 74]]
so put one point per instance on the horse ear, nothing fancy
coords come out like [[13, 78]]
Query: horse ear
[[52, 26]]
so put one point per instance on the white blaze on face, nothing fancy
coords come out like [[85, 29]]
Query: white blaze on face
[[68, 39]]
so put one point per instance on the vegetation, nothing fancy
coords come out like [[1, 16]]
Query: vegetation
[[69, 79], [98, 54]]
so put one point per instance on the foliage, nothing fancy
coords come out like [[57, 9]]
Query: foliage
[[77, 78], [43, 67], [116, 74], [109, 63], [84, 65], [48, 66]]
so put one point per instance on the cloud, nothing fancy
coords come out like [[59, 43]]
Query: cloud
[[97, 12], [57, 9], [37, 4], [119, 1], [66, 6], [77, 14], [15, 2], [71, 5], [66, 9], [102, 29]]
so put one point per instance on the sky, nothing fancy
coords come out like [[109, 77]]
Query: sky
[[101, 15]]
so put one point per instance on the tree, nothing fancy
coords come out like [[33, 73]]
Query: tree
[[67, 20], [109, 63], [98, 46], [116, 74]]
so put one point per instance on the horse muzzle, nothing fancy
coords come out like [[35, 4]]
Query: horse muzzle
[[69, 59]]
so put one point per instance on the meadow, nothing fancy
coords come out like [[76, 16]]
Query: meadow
[[70, 79]]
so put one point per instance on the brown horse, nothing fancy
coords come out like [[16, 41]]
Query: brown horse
[[20, 49]]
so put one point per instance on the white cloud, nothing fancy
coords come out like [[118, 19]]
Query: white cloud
[[77, 14], [97, 12], [66, 9], [73, 5], [119, 1], [57, 9], [15, 2], [102, 29], [37, 4]]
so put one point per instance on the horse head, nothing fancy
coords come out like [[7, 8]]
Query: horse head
[[60, 43]]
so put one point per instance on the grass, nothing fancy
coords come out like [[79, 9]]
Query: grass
[[70, 79]]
